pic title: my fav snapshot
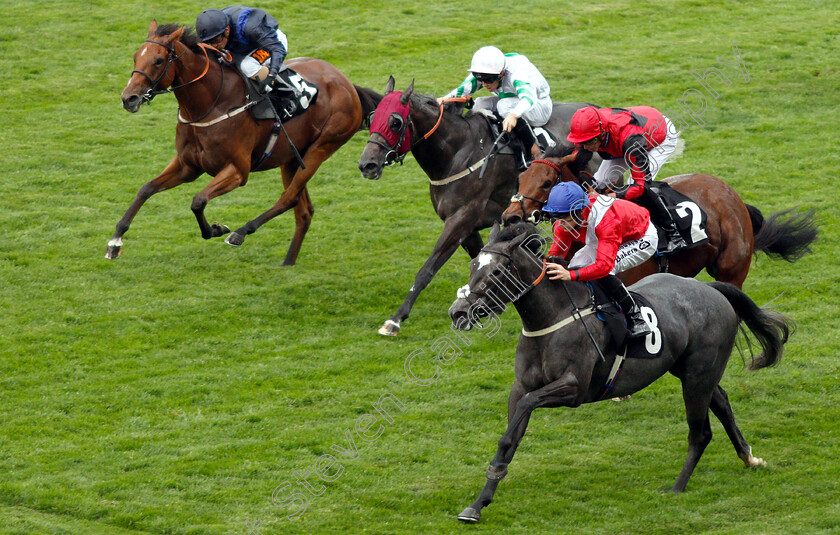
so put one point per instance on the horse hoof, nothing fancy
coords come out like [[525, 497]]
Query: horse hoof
[[390, 328], [751, 461], [114, 249], [219, 230], [469, 515], [235, 239]]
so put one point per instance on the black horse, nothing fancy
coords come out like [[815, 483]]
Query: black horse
[[452, 157], [557, 364]]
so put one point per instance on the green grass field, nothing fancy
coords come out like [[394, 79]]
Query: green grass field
[[172, 390]]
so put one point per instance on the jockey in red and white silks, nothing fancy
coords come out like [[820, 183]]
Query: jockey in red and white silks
[[639, 138], [617, 236]]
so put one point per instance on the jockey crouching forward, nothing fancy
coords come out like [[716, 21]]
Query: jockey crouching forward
[[253, 35], [640, 138], [617, 236], [521, 96]]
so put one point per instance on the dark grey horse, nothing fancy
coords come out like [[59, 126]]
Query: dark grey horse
[[466, 204], [696, 325]]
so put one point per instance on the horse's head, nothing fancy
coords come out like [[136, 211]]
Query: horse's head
[[505, 270], [390, 138], [535, 183], [153, 68]]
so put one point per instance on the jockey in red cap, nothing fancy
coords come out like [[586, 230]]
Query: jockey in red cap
[[617, 236], [640, 138]]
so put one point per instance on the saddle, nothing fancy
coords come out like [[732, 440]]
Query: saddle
[[290, 98], [687, 214]]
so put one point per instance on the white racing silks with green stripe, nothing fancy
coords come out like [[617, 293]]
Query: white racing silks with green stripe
[[521, 81]]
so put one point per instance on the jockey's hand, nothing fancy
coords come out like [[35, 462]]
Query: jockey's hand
[[557, 272], [440, 100], [509, 122]]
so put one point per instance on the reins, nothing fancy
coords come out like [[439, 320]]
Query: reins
[[152, 91]]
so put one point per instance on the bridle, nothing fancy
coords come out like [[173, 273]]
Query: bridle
[[171, 57], [511, 269], [518, 197], [392, 154]]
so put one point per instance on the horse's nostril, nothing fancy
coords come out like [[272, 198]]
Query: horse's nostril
[[511, 219]]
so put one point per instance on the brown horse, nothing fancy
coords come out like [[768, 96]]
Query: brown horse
[[213, 137], [735, 229]]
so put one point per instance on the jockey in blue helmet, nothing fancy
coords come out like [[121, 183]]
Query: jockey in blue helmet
[[617, 236]]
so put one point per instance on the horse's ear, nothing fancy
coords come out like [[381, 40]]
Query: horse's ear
[[174, 36], [153, 27], [567, 159], [389, 87], [494, 232], [407, 94]]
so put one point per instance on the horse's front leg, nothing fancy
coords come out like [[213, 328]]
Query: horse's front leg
[[175, 174], [456, 229], [229, 178], [565, 391]]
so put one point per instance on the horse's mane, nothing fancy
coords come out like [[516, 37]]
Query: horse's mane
[[509, 233], [559, 150], [188, 37], [449, 109]]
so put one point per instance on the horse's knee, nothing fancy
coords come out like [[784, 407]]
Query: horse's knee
[[147, 190], [199, 202]]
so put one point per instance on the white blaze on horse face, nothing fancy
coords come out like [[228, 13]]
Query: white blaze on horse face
[[145, 49], [484, 259]]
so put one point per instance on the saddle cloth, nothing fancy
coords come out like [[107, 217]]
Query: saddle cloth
[[647, 347], [281, 99], [687, 214]]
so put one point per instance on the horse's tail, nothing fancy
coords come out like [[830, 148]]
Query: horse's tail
[[771, 328], [370, 100], [789, 240]]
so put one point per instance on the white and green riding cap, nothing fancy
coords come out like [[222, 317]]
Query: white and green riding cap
[[488, 60]]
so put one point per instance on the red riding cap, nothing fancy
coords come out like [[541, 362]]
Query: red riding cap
[[585, 125]]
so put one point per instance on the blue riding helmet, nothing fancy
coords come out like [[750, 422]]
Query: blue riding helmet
[[565, 197], [210, 23]]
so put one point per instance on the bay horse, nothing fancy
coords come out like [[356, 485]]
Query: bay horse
[[213, 137], [558, 364], [451, 148], [736, 230]]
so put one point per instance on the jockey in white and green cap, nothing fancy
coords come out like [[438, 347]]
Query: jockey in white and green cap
[[520, 90]]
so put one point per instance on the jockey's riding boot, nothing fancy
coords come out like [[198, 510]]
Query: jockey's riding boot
[[290, 89], [662, 217], [526, 137], [637, 326]]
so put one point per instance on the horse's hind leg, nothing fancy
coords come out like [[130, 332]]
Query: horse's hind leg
[[723, 410], [562, 392], [697, 396], [173, 175], [312, 158], [228, 179]]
